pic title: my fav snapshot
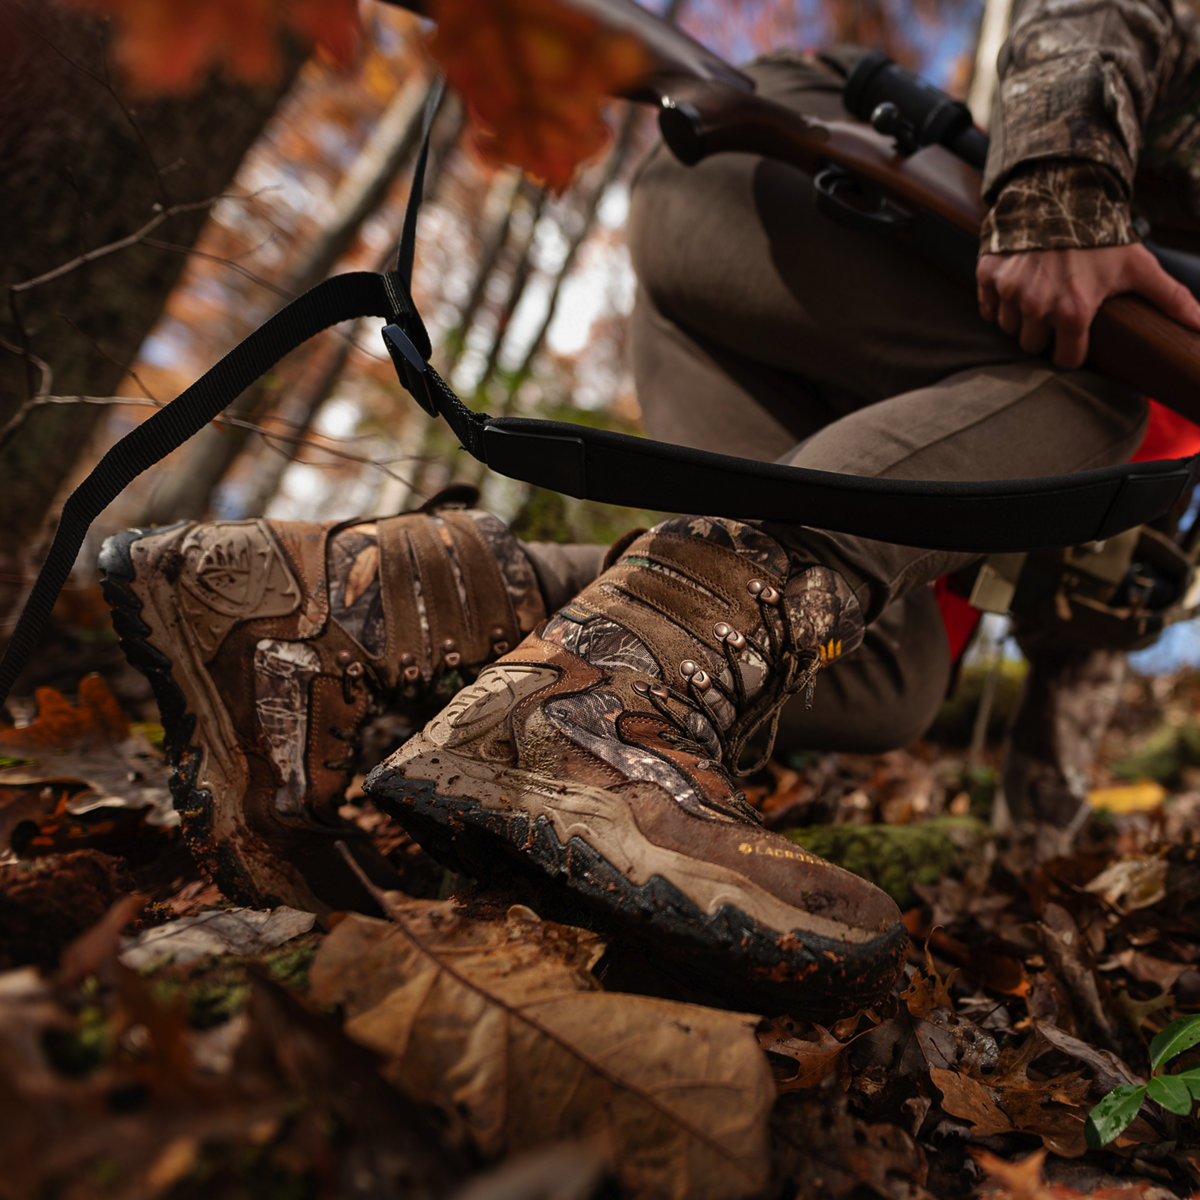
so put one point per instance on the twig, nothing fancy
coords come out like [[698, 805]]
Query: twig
[[132, 239], [306, 441]]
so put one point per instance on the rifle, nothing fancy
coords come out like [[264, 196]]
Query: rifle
[[927, 194], [874, 176]]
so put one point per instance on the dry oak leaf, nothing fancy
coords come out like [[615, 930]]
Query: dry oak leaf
[[534, 75], [168, 45], [81, 767], [502, 1023]]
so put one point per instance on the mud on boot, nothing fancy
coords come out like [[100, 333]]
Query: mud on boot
[[598, 760], [270, 644]]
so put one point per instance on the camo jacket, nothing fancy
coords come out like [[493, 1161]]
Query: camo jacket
[[1097, 121]]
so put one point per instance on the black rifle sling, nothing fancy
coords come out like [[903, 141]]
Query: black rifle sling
[[593, 464]]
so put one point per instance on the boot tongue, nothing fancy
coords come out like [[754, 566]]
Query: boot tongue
[[746, 541]]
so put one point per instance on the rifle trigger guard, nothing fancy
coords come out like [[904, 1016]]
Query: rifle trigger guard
[[857, 205]]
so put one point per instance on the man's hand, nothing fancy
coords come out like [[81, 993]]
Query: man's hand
[[1048, 298]]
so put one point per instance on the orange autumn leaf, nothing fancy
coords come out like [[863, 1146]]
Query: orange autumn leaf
[[167, 46], [61, 725], [534, 75]]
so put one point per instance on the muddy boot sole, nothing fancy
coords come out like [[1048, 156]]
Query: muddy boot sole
[[486, 821]]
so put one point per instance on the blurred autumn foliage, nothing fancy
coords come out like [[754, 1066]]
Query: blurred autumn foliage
[[525, 291], [168, 47]]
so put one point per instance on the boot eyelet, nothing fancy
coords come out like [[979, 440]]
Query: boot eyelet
[[641, 687], [499, 648], [412, 673], [659, 691], [343, 658], [408, 660], [700, 681], [726, 633], [687, 668], [452, 659], [355, 670]]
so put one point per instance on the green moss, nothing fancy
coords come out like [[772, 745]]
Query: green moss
[[1164, 756], [895, 857], [80, 1050], [217, 988]]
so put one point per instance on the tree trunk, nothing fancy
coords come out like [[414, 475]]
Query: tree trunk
[[993, 29], [498, 214], [518, 280], [86, 167]]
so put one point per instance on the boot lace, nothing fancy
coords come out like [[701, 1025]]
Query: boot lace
[[790, 670]]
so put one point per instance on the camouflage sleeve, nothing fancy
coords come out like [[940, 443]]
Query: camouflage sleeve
[[1078, 82], [1057, 204]]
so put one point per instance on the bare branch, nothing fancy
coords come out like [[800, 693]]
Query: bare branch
[[132, 239], [315, 442]]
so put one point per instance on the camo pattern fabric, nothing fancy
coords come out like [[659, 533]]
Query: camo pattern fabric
[[1098, 110], [355, 602], [519, 577]]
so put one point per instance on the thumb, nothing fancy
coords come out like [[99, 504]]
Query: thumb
[[1148, 279]]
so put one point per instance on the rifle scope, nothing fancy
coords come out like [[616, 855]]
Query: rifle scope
[[907, 107]]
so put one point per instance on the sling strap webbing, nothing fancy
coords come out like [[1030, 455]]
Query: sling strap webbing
[[593, 464]]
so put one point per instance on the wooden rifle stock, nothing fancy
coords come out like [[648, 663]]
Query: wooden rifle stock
[[1131, 340]]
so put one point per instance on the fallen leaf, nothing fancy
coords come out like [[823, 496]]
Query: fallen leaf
[[972, 1101], [1019, 1180], [96, 720], [835, 1154], [1141, 796], [83, 774], [806, 1060], [534, 75], [501, 1022], [240, 931], [1132, 883]]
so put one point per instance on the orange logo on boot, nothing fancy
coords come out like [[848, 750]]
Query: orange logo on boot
[[830, 650]]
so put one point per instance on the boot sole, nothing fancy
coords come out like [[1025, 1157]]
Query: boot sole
[[478, 827], [211, 838]]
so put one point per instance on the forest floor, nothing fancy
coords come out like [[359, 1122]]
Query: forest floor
[[157, 1043]]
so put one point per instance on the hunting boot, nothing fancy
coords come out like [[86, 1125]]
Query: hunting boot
[[269, 645], [599, 757]]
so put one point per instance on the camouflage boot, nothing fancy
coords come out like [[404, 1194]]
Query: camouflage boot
[[269, 644], [598, 757]]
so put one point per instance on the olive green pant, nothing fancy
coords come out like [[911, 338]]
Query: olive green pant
[[764, 328]]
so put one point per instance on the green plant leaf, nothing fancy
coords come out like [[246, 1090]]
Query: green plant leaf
[[1113, 1114], [1190, 1080], [1179, 1036], [1171, 1092]]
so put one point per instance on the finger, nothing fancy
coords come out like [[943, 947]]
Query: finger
[[1151, 281], [1036, 335], [988, 301], [1008, 317], [1070, 346]]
